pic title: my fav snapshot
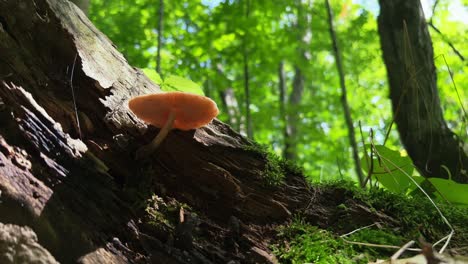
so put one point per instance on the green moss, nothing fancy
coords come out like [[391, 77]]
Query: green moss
[[303, 243], [300, 242], [378, 237], [276, 168], [274, 173], [416, 213], [419, 216], [163, 214]]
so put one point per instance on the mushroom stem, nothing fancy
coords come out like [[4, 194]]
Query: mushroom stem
[[146, 150]]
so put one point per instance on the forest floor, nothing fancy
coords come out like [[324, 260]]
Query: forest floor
[[316, 233]]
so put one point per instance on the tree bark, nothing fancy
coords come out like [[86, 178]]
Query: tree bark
[[203, 197], [408, 55], [83, 5]]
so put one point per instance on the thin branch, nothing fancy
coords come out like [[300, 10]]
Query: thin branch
[[370, 163], [434, 7], [445, 39], [431, 24], [371, 244], [402, 249]]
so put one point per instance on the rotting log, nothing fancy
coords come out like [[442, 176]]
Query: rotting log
[[77, 185]]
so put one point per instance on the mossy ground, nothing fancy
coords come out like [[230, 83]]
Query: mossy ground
[[301, 242]]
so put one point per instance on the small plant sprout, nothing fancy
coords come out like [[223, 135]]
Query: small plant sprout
[[184, 111]]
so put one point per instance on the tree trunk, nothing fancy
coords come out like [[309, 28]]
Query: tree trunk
[[282, 108], [203, 197], [293, 118], [245, 57], [160, 36], [295, 98], [229, 102], [407, 51], [83, 5], [344, 97]]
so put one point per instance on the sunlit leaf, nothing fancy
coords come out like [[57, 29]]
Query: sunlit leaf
[[224, 41], [152, 75], [177, 83], [391, 169], [451, 191]]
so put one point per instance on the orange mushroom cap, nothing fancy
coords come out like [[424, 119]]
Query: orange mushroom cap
[[191, 111]]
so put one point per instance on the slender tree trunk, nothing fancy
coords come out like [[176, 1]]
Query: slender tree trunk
[[230, 102], [408, 55], [295, 98], [282, 107], [245, 57], [160, 36], [208, 88], [293, 119], [344, 100], [232, 108]]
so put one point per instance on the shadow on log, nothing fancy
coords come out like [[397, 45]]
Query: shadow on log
[[78, 186]]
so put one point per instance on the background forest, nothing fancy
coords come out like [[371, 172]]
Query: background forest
[[270, 67]]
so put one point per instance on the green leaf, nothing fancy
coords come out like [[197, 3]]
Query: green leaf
[[224, 41], [453, 192], [152, 75], [176, 83], [391, 169]]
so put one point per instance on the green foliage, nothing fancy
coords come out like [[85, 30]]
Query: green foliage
[[173, 83], [153, 76], [203, 41], [451, 191], [390, 168], [395, 172], [176, 83]]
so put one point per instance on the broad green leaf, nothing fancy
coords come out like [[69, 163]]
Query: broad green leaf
[[391, 169], [452, 191], [152, 75], [176, 83]]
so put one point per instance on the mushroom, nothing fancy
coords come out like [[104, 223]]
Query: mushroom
[[168, 110]]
